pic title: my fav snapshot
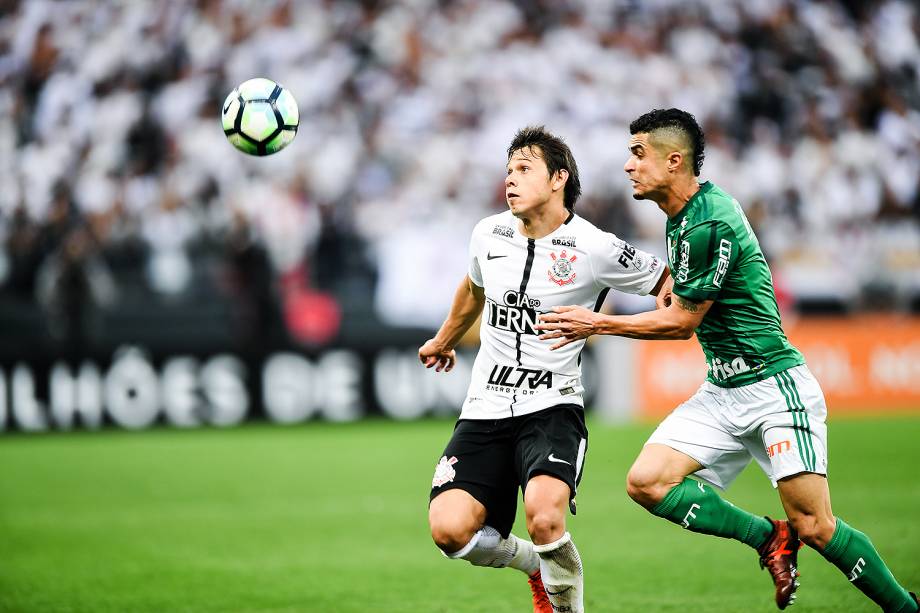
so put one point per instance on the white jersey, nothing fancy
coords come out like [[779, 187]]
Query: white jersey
[[515, 372]]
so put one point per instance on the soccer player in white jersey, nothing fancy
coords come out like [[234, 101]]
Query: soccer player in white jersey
[[522, 424]]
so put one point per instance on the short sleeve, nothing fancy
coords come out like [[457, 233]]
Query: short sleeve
[[705, 254], [623, 267], [475, 271]]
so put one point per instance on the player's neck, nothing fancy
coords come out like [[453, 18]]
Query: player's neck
[[676, 197], [543, 221]]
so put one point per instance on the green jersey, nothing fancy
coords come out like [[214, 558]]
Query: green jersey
[[714, 255]]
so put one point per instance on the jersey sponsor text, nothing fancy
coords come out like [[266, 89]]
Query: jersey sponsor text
[[727, 369], [725, 254], [516, 315], [506, 231], [518, 378]]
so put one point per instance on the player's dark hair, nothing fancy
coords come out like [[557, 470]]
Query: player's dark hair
[[556, 155], [675, 119]]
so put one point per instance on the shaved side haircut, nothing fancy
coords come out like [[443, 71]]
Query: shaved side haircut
[[674, 130]]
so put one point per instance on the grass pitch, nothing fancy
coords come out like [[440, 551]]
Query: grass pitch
[[332, 518]]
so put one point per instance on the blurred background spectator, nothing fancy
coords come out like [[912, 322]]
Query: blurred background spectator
[[124, 213]]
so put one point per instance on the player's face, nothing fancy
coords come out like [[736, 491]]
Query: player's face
[[647, 168], [528, 185]]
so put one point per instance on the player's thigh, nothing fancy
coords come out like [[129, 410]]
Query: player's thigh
[[694, 430], [552, 442], [791, 435], [478, 460], [545, 492]]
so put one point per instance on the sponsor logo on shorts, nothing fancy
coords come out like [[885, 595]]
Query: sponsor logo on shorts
[[444, 472], [553, 458], [778, 448]]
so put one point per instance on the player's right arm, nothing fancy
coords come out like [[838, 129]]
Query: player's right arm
[[466, 308]]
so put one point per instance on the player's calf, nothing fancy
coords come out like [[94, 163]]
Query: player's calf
[[698, 507], [488, 548], [857, 558], [563, 577], [813, 530]]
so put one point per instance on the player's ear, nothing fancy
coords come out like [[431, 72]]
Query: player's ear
[[675, 160], [560, 178]]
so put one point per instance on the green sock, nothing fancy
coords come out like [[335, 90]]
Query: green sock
[[853, 553], [699, 508]]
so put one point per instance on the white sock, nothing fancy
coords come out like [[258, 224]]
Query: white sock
[[488, 548], [563, 578]]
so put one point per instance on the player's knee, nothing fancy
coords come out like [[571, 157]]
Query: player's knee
[[645, 486], [545, 526], [450, 537], [449, 533], [813, 530]]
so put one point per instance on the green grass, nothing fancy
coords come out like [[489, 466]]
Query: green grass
[[330, 518]]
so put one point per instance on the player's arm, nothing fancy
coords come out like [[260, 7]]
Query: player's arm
[[663, 289], [674, 322], [467, 306]]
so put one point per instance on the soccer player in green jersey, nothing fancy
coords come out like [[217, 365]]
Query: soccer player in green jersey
[[759, 400]]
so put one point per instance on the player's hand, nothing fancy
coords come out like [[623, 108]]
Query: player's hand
[[570, 323], [663, 299], [433, 353]]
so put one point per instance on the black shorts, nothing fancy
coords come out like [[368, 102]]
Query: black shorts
[[492, 458]]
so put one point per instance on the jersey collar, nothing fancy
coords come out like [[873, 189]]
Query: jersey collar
[[704, 189]]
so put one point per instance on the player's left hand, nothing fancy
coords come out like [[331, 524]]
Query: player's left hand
[[570, 323]]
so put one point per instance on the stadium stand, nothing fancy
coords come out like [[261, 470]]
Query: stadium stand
[[123, 209]]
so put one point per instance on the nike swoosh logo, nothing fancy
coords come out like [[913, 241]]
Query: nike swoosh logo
[[553, 458], [228, 106], [489, 256], [563, 591]]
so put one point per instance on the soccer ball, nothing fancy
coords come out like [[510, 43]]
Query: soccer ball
[[260, 117]]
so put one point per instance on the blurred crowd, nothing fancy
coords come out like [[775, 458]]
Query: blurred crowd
[[120, 191]]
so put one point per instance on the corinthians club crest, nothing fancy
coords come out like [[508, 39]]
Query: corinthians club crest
[[562, 272]]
